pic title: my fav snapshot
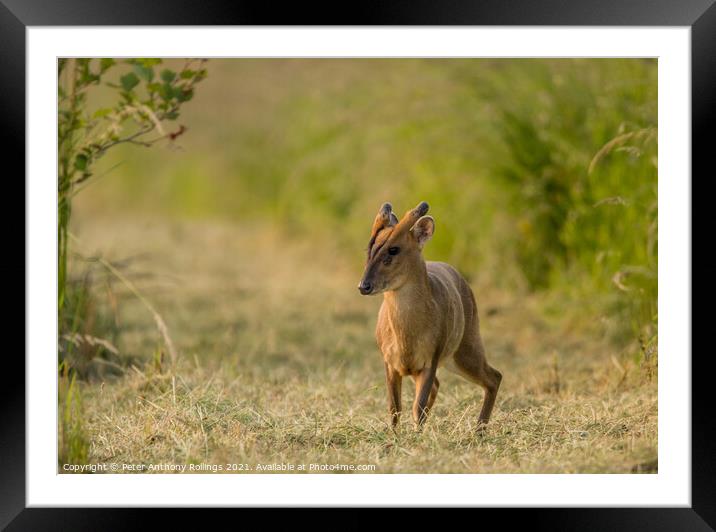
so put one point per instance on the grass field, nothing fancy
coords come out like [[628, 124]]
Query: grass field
[[278, 364], [247, 239]]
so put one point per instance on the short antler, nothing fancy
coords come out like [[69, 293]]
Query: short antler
[[384, 218], [412, 215]]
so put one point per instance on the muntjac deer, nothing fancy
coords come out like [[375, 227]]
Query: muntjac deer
[[428, 318]]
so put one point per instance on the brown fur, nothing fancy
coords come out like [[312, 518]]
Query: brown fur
[[428, 318]]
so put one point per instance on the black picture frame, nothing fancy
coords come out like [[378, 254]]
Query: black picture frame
[[16, 15]]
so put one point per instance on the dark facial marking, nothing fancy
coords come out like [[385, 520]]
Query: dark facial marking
[[376, 250], [373, 250]]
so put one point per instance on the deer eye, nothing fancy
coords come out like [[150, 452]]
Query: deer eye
[[393, 251]]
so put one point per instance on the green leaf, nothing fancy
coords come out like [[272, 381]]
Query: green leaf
[[105, 63], [187, 74], [144, 72], [86, 77], [148, 61], [166, 92], [185, 95], [168, 75], [129, 81], [81, 162], [178, 93], [101, 113]]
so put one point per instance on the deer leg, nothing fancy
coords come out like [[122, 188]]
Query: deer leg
[[472, 365], [491, 385], [433, 393], [424, 382], [394, 382]]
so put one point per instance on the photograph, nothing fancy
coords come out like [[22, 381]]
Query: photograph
[[357, 265]]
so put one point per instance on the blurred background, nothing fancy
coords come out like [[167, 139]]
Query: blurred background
[[509, 153], [247, 232]]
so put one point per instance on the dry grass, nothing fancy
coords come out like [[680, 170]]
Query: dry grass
[[277, 363]]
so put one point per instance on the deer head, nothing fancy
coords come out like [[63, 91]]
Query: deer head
[[394, 248]]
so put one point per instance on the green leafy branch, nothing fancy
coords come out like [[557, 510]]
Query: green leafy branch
[[145, 97], [146, 100]]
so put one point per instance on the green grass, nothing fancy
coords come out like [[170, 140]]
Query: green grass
[[72, 436]]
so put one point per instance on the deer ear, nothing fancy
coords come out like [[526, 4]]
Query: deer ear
[[423, 230]]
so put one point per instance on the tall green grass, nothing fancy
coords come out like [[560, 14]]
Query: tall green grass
[[73, 439], [580, 166]]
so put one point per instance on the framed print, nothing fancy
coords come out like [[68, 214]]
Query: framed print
[[422, 257]]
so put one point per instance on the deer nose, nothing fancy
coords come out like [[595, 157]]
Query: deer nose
[[365, 287]]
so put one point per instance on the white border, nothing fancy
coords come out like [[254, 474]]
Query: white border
[[671, 486]]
